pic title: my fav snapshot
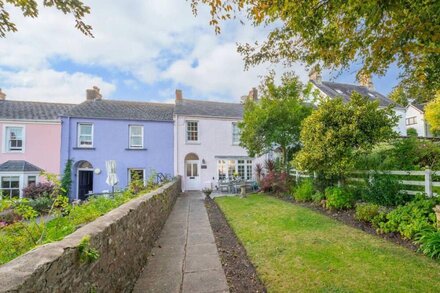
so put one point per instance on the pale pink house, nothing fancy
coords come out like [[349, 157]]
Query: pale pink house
[[30, 135]]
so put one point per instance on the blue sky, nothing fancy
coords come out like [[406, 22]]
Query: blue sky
[[137, 54]]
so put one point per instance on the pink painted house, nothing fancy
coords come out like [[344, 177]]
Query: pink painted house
[[30, 135]]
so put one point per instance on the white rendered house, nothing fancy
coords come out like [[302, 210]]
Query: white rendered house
[[206, 143], [415, 118], [334, 89]]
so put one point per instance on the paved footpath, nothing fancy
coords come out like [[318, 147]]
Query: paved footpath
[[185, 257]]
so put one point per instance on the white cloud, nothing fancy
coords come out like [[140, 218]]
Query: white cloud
[[148, 40], [51, 86]]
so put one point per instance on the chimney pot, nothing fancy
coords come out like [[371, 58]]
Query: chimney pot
[[365, 80], [2, 95], [253, 94], [179, 95], [93, 94], [315, 74]]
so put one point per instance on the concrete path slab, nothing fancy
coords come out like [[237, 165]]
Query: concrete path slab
[[185, 257]]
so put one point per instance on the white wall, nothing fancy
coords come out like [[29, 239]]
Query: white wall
[[401, 126], [215, 139], [421, 125]]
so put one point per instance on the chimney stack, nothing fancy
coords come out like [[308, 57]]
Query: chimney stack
[[315, 74], [2, 95], [179, 96], [93, 94], [253, 94], [365, 80]]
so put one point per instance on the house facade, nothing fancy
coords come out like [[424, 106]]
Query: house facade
[[206, 144], [343, 90], [138, 136], [30, 142], [415, 119]]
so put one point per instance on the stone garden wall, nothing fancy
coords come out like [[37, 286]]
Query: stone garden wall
[[123, 237]]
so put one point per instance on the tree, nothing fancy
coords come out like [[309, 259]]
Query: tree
[[399, 96], [337, 33], [30, 9], [275, 120], [432, 113], [337, 133], [66, 180]]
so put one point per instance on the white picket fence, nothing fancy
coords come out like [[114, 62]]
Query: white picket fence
[[427, 183]]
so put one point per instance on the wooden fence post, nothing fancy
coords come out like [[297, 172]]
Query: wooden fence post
[[428, 182], [296, 176]]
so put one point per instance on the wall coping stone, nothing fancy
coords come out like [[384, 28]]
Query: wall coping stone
[[14, 273]]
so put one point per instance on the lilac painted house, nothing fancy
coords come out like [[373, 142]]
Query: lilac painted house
[[138, 136]]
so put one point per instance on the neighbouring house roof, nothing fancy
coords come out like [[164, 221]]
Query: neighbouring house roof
[[344, 90], [209, 109], [18, 166], [24, 110], [125, 110], [420, 107]]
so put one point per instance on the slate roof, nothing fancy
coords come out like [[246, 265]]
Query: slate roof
[[420, 107], [209, 109], [18, 166], [344, 90], [126, 110], [24, 110]]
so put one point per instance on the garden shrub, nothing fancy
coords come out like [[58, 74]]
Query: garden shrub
[[411, 218], [41, 189], [304, 191], [338, 198], [381, 217], [9, 216], [318, 197], [429, 241], [385, 190], [276, 182], [366, 211], [42, 205]]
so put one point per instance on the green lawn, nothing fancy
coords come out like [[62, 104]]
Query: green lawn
[[296, 249]]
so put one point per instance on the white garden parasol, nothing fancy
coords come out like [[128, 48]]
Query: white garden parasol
[[112, 177]]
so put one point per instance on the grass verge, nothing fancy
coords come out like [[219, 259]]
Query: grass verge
[[296, 249]]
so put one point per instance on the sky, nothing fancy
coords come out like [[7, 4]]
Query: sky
[[142, 50]]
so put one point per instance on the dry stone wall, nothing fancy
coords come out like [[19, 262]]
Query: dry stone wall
[[123, 237]]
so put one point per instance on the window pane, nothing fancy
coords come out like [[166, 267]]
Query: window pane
[[195, 170], [188, 170], [231, 168], [136, 174], [15, 182], [32, 180], [136, 130], [15, 192], [5, 182], [86, 129], [136, 141]]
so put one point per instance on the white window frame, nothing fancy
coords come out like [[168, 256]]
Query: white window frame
[[235, 126], [135, 169], [411, 120], [224, 163], [6, 138], [20, 187], [78, 127], [186, 131], [130, 135]]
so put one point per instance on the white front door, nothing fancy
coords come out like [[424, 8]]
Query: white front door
[[192, 176]]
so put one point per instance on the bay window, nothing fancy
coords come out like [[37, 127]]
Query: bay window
[[232, 168], [10, 186]]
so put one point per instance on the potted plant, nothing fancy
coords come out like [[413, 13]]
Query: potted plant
[[207, 191]]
